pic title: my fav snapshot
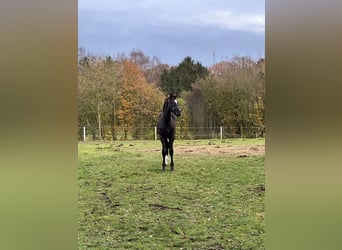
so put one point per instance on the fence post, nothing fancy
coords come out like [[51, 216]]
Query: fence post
[[155, 133], [84, 133], [221, 132]]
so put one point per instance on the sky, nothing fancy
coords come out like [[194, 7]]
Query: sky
[[207, 30]]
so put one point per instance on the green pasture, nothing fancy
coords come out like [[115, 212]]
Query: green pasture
[[208, 202]]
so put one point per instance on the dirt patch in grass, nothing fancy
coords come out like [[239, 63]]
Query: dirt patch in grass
[[231, 150]]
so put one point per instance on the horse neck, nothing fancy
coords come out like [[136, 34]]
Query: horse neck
[[167, 116]]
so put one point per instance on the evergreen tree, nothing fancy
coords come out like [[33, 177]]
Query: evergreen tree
[[182, 77]]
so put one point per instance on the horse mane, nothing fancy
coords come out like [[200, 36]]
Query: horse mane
[[165, 105]]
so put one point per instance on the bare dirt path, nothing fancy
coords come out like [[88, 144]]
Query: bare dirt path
[[230, 150]]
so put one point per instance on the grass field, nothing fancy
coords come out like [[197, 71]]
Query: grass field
[[208, 202]]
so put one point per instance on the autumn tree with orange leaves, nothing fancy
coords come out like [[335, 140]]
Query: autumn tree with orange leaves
[[139, 102]]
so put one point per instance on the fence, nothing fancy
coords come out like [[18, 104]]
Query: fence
[[186, 133]]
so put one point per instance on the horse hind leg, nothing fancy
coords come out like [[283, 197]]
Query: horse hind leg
[[171, 155]]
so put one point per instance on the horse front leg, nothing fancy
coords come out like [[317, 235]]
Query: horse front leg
[[171, 154], [164, 153]]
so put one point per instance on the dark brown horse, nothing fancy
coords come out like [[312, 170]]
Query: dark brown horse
[[167, 127]]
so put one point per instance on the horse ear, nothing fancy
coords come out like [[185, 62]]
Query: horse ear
[[172, 95]]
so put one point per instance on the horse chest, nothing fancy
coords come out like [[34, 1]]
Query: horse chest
[[166, 131], [169, 131]]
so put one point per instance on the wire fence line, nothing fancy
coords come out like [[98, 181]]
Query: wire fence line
[[87, 133]]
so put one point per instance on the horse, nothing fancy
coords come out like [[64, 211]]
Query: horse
[[166, 128]]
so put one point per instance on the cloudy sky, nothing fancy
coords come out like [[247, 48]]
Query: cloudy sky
[[173, 29]]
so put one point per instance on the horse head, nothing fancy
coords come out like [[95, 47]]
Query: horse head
[[173, 105]]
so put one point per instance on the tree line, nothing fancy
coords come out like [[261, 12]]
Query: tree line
[[127, 92]]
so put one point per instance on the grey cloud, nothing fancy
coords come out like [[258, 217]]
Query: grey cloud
[[170, 34]]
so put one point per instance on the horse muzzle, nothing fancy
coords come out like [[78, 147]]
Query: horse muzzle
[[177, 112]]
